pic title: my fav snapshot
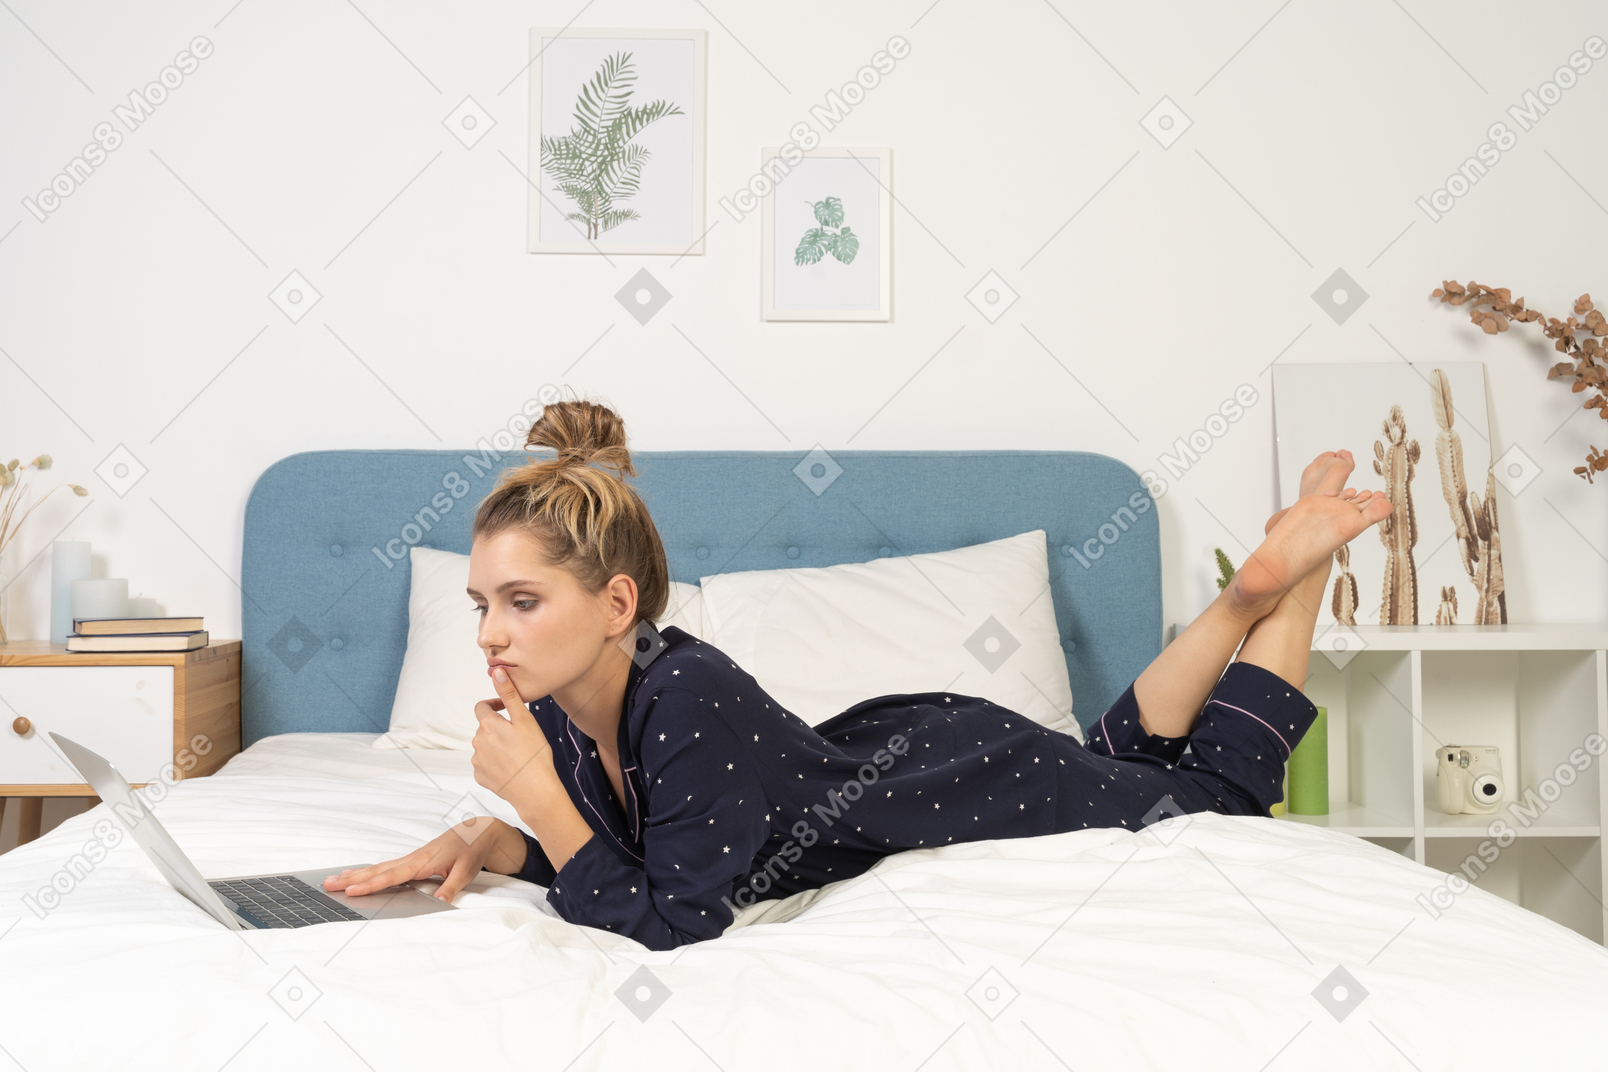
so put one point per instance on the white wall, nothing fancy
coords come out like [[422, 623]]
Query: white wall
[[1183, 272]]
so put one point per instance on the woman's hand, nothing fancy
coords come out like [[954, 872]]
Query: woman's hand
[[458, 856], [513, 757]]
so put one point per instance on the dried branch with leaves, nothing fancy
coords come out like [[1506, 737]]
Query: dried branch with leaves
[[1577, 339]]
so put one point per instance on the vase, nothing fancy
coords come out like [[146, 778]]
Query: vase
[[1309, 769]]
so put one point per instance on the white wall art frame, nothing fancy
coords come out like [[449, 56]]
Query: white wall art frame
[[648, 194], [828, 236]]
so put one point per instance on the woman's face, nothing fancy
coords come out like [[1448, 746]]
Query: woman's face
[[537, 620]]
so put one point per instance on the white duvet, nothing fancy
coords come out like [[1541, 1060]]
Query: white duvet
[[1194, 948]]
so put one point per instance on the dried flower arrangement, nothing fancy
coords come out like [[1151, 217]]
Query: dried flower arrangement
[[1576, 339], [13, 482]]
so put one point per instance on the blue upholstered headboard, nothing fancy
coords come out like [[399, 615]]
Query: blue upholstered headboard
[[324, 576]]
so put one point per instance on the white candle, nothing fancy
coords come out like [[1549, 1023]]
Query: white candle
[[69, 562], [105, 597], [142, 607]]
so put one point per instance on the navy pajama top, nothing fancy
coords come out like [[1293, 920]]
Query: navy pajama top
[[731, 799]]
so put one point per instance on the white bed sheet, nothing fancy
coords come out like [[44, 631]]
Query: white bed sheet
[[1102, 949]]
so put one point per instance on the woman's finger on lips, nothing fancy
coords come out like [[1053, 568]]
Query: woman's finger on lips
[[506, 690]]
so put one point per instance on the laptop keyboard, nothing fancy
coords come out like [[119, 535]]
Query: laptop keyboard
[[283, 901]]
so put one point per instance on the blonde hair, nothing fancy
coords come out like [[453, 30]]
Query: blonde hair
[[586, 517]]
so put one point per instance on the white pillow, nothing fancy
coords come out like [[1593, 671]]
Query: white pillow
[[822, 639], [444, 671], [684, 609]]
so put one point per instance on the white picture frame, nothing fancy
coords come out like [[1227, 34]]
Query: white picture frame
[[827, 289], [669, 66]]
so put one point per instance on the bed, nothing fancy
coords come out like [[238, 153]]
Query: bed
[[1202, 942]]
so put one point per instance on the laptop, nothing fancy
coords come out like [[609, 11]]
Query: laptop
[[251, 902]]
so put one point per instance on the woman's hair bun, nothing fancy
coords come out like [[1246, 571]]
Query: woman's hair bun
[[588, 519], [581, 433]]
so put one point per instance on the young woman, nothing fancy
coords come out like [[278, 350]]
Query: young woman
[[665, 787]]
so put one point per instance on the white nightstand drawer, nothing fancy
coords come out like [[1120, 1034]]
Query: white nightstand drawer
[[125, 713]]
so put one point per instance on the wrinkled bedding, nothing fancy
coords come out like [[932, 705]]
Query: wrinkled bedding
[[1197, 943]]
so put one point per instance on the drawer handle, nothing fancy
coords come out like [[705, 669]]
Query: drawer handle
[[21, 726]]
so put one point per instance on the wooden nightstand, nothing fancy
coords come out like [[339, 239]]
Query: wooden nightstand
[[141, 711]]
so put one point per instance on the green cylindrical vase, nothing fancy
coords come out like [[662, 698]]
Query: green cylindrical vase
[[1309, 770]]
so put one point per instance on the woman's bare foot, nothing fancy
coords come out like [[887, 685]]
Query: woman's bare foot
[[1302, 537], [1326, 475], [1274, 598]]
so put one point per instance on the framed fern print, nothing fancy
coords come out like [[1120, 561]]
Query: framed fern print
[[617, 141], [828, 235]]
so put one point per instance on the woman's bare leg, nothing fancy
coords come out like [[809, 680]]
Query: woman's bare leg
[[1292, 562], [1174, 687], [1281, 642]]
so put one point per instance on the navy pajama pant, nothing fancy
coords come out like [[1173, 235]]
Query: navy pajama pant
[[1238, 748]]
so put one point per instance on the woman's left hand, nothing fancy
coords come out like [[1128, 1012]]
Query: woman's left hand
[[513, 752]]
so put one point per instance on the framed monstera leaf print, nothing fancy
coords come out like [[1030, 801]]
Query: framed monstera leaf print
[[828, 234]]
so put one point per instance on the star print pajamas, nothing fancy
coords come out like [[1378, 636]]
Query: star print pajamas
[[731, 799]]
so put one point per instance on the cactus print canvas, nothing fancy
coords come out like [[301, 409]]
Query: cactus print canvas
[[1420, 433]]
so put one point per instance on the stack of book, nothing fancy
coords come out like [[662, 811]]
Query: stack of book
[[136, 634]]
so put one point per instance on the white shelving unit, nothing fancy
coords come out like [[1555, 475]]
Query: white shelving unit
[[1538, 692], [1396, 694]]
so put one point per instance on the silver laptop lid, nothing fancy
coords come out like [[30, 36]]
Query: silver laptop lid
[[147, 833]]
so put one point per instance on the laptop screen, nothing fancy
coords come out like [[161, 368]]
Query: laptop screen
[[147, 833]]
